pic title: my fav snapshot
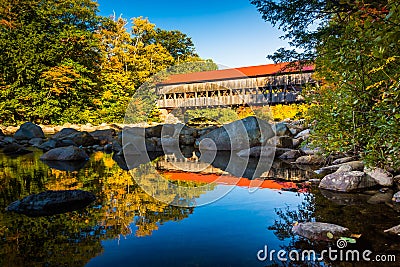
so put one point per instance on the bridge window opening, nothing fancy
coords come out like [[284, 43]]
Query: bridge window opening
[[179, 96], [212, 94], [202, 94], [190, 95], [224, 93], [170, 96]]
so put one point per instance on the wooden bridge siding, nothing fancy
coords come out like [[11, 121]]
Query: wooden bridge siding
[[253, 91], [257, 99]]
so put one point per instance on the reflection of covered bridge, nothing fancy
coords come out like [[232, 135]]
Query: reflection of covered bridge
[[257, 85]]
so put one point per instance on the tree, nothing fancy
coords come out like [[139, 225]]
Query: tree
[[39, 41], [355, 46]]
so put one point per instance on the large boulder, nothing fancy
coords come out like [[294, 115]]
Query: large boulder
[[70, 153], [27, 131], [382, 177], [319, 230], [52, 202], [238, 135], [347, 181]]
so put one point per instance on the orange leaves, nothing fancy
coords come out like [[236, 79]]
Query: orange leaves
[[60, 79]]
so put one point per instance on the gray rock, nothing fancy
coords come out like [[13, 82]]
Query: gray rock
[[27, 131], [292, 154], [382, 177], [319, 230], [70, 153], [310, 160], [343, 160], [52, 202], [395, 230], [281, 129], [64, 133], [303, 134], [354, 165], [36, 142], [53, 143], [310, 151], [345, 168], [238, 135], [347, 181]]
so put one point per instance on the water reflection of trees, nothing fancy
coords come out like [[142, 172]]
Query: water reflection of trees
[[72, 239]]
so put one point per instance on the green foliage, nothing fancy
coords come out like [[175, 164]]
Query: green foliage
[[62, 62], [356, 46]]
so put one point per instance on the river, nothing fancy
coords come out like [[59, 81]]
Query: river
[[221, 220]]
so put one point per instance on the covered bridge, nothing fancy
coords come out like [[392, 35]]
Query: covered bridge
[[257, 85]]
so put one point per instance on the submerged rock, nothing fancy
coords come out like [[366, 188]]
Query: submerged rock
[[27, 131], [319, 230], [52, 202], [70, 153], [15, 149], [347, 181]]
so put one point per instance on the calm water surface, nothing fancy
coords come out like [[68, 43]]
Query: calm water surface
[[127, 227]]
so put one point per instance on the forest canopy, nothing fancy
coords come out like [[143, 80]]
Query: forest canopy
[[63, 62]]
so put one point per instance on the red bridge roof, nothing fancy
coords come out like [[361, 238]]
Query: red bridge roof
[[227, 74]]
